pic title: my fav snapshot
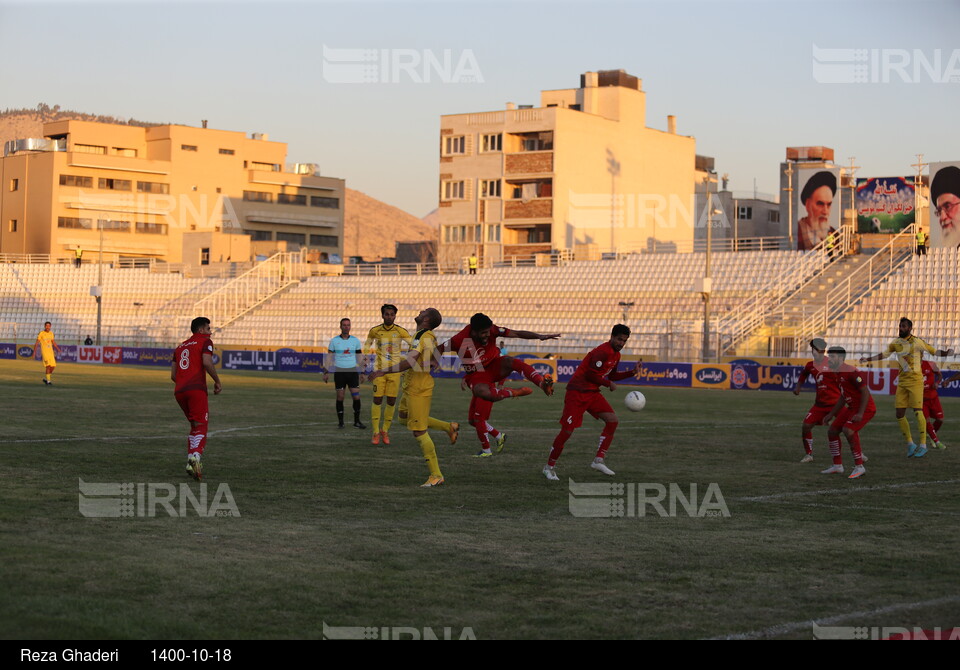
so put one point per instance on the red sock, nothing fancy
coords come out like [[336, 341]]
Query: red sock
[[606, 438], [558, 442], [500, 394], [835, 449], [482, 434], [197, 441], [493, 432], [932, 428], [855, 448], [528, 372], [808, 441]]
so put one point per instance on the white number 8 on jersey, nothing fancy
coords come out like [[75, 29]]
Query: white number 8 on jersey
[[185, 359]]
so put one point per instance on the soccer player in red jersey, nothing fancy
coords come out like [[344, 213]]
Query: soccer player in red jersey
[[828, 392], [852, 412], [932, 409], [598, 368], [481, 360], [192, 362]]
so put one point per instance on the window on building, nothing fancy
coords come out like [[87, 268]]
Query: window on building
[[261, 235], [151, 228], [493, 233], [269, 167], [453, 190], [773, 216], [257, 196], [115, 184], [492, 142], [453, 146], [536, 141], [292, 238], [490, 188], [14, 184], [111, 224], [323, 201], [188, 147], [205, 256], [73, 222], [745, 213], [121, 151], [13, 225], [152, 187], [227, 152], [538, 235], [75, 180], [533, 189], [90, 149], [291, 199], [324, 240]]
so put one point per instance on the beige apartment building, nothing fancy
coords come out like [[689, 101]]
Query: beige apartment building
[[175, 193], [581, 172]]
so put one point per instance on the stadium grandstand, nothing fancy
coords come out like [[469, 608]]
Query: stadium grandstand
[[280, 303]]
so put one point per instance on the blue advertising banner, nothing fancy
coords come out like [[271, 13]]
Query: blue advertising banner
[[289, 360], [8, 350], [250, 360], [147, 356], [660, 374]]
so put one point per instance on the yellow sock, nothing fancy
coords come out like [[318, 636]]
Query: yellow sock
[[905, 428], [921, 426], [388, 417], [375, 417], [430, 454], [48, 376], [437, 424]]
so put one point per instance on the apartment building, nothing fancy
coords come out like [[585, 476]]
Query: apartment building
[[175, 193], [580, 172]]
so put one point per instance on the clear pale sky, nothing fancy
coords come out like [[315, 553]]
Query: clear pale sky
[[739, 76]]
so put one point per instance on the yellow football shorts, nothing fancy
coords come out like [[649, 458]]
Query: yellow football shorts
[[418, 411], [910, 395], [48, 360], [387, 385]]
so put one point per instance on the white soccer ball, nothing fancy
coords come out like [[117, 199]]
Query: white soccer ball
[[635, 401]]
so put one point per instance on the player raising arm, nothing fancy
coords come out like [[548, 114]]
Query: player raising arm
[[909, 350]]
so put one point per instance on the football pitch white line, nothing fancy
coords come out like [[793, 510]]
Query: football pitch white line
[[863, 507], [845, 491], [792, 627], [155, 437]]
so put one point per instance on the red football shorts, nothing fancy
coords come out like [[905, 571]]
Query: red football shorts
[[817, 414], [932, 407], [194, 405], [575, 403], [845, 415]]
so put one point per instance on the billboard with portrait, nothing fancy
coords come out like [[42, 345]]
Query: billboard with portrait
[[945, 205], [885, 204], [815, 217]]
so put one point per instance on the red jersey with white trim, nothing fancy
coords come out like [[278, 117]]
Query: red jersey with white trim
[[828, 388], [190, 374], [473, 355], [597, 369], [852, 383], [929, 381]]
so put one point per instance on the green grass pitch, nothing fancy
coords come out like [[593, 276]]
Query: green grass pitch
[[335, 531]]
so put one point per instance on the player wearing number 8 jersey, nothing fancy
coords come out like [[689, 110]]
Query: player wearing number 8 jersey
[[909, 350], [192, 362]]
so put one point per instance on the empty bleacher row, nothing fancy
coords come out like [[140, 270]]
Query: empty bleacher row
[[31, 294], [653, 293], [926, 290]]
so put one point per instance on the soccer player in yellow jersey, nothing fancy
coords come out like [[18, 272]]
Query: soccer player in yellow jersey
[[47, 344], [418, 388], [909, 351], [385, 341]]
